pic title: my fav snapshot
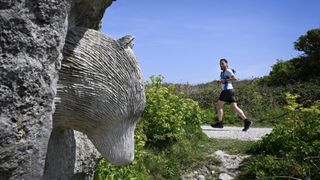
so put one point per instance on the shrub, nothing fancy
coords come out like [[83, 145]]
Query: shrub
[[292, 149], [168, 119], [167, 113]]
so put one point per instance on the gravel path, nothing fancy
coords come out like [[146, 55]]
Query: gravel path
[[230, 163], [226, 171], [253, 134]]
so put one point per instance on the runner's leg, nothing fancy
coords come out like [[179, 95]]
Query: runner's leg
[[219, 107], [238, 111]]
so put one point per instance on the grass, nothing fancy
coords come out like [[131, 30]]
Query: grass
[[170, 163], [188, 155], [231, 146]]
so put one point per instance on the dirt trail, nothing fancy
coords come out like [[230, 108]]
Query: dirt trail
[[253, 134], [230, 163]]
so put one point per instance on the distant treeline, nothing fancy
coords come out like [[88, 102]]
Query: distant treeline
[[300, 75], [299, 69]]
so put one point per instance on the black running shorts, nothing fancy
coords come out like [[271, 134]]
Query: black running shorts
[[228, 96]]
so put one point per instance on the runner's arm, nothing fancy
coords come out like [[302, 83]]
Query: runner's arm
[[232, 78]]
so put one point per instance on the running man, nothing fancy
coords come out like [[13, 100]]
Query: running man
[[227, 96]]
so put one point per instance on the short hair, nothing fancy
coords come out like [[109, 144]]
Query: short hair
[[224, 60]]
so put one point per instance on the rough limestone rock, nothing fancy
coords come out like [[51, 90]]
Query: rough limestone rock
[[75, 153], [86, 157], [100, 93], [225, 176], [32, 38], [31, 41]]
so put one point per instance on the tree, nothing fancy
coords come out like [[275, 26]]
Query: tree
[[309, 43], [298, 69], [282, 73]]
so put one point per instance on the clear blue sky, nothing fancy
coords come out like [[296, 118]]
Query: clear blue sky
[[183, 40]]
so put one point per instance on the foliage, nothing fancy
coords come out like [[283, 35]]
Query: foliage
[[308, 92], [298, 69], [168, 138], [309, 43], [204, 94], [261, 104], [232, 146], [167, 113], [107, 171], [292, 149], [281, 74]]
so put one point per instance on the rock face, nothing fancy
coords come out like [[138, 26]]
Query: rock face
[[86, 157], [32, 38]]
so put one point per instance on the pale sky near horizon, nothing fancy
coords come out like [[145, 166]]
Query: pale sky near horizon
[[183, 40]]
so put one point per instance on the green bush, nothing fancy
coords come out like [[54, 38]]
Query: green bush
[[107, 171], [205, 94], [292, 149], [262, 104], [167, 113], [168, 129]]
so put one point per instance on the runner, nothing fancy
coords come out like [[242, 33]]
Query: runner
[[228, 96]]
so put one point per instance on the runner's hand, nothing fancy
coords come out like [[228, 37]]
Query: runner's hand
[[222, 81]]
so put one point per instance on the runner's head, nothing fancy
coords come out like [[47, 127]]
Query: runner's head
[[223, 64]]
